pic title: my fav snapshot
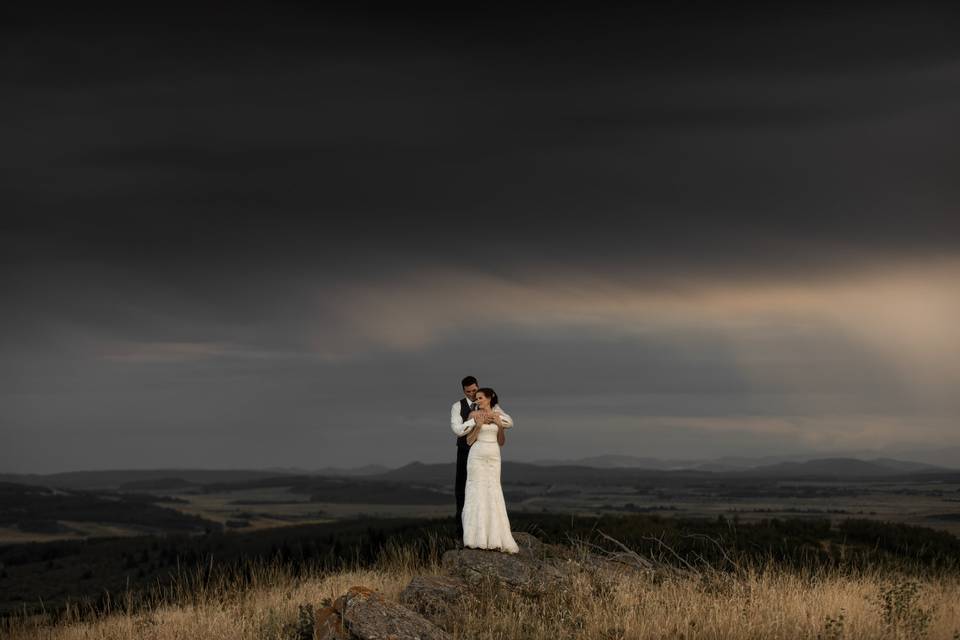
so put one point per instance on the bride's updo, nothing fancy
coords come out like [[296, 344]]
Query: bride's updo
[[490, 393]]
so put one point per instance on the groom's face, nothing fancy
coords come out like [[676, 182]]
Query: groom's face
[[471, 392]]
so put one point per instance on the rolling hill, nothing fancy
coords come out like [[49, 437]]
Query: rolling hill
[[114, 479]]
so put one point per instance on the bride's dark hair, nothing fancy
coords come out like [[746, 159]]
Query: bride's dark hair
[[490, 393]]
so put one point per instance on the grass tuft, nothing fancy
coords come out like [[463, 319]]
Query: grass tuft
[[272, 601]]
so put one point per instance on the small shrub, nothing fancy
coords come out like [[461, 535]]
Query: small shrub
[[901, 611], [305, 623], [833, 627]]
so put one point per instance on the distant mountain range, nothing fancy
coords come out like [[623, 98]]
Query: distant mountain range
[[611, 461], [915, 462], [843, 467], [574, 474], [365, 470], [595, 470], [112, 479], [940, 456]]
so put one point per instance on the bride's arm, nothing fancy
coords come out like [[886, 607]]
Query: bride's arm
[[505, 419]]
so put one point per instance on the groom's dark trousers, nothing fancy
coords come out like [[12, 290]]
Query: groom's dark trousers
[[460, 486]]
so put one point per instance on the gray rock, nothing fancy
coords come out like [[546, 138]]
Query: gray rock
[[526, 571], [528, 543], [366, 615], [435, 596]]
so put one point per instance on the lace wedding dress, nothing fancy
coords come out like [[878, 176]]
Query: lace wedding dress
[[485, 522]]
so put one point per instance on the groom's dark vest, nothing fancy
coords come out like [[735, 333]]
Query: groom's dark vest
[[464, 414]]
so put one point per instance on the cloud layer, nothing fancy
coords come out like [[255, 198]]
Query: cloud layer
[[231, 241]]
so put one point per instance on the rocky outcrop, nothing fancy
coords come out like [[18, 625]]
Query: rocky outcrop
[[435, 596], [520, 572], [530, 544], [368, 616], [362, 614], [329, 625]]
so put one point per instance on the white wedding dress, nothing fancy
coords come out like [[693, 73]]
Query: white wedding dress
[[485, 522]]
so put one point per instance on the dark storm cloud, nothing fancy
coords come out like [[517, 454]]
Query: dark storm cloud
[[250, 222], [657, 137]]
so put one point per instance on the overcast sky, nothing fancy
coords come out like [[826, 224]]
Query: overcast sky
[[278, 237]]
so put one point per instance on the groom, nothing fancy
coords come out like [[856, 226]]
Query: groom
[[459, 423]]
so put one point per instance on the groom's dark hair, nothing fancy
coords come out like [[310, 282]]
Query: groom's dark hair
[[490, 393], [469, 380]]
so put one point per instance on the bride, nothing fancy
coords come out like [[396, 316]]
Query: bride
[[485, 522]]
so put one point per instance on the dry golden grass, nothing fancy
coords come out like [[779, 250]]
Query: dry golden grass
[[598, 604]]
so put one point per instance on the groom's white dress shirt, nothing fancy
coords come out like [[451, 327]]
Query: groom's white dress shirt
[[460, 427]]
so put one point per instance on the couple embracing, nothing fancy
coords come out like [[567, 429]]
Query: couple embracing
[[479, 423]]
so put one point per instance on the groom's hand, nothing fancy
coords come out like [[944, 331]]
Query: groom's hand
[[483, 417]]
